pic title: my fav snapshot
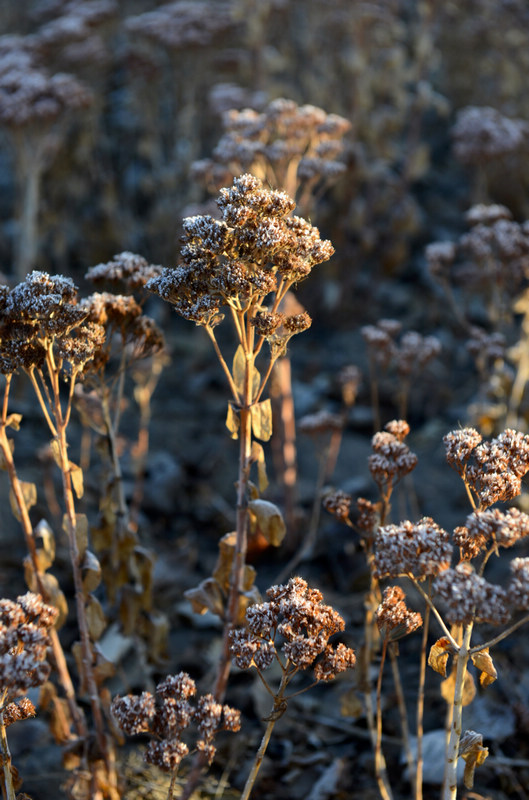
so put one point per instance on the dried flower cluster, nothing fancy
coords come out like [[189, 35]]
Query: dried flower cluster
[[24, 640], [29, 95], [169, 713], [482, 133], [422, 549], [412, 352], [391, 459], [394, 619], [281, 141], [126, 272], [239, 260], [184, 23], [492, 258], [493, 470], [467, 597], [296, 614], [40, 310], [504, 529], [338, 504]]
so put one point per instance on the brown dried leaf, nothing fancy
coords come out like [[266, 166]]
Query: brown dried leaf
[[207, 596], [261, 414], [258, 456], [232, 421], [483, 662], [90, 571], [439, 654], [239, 369], [13, 421], [80, 531], [473, 753], [29, 497], [269, 521], [95, 617], [76, 475]]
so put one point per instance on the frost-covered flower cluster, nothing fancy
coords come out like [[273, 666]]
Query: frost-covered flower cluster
[[25, 624], [169, 713], [393, 617], [422, 549], [255, 250], [391, 458], [493, 470], [296, 622]]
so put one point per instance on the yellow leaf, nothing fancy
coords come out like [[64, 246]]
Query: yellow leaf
[[483, 662], [233, 421], [269, 521], [261, 414], [95, 618], [80, 531], [439, 654], [259, 457], [56, 452], [13, 421], [76, 475], [239, 369]]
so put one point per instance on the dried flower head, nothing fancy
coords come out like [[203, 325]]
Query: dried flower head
[[498, 467], [338, 504], [243, 257], [169, 713], [24, 640], [391, 458], [502, 528], [518, 586], [126, 272], [394, 619], [422, 549], [320, 422], [296, 614], [483, 133], [467, 596]]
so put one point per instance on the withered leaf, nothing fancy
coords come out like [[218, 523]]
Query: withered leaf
[[239, 369], [232, 421], [439, 654], [257, 456], [207, 596], [80, 531], [473, 753], [483, 662], [90, 571], [95, 618], [261, 414], [269, 521], [13, 421], [76, 475], [29, 497]]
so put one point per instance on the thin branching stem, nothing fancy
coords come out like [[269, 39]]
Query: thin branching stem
[[420, 698], [437, 615], [223, 364], [479, 647]]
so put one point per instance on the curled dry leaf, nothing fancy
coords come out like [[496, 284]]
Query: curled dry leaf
[[269, 521], [483, 662], [439, 654], [473, 753]]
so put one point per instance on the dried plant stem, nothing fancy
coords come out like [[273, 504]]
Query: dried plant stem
[[172, 784], [31, 164], [420, 699], [380, 766], [371, 603], [58, 428], [8, 790], [450, 781], [279, 704], [27, 528], [401, 702]]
